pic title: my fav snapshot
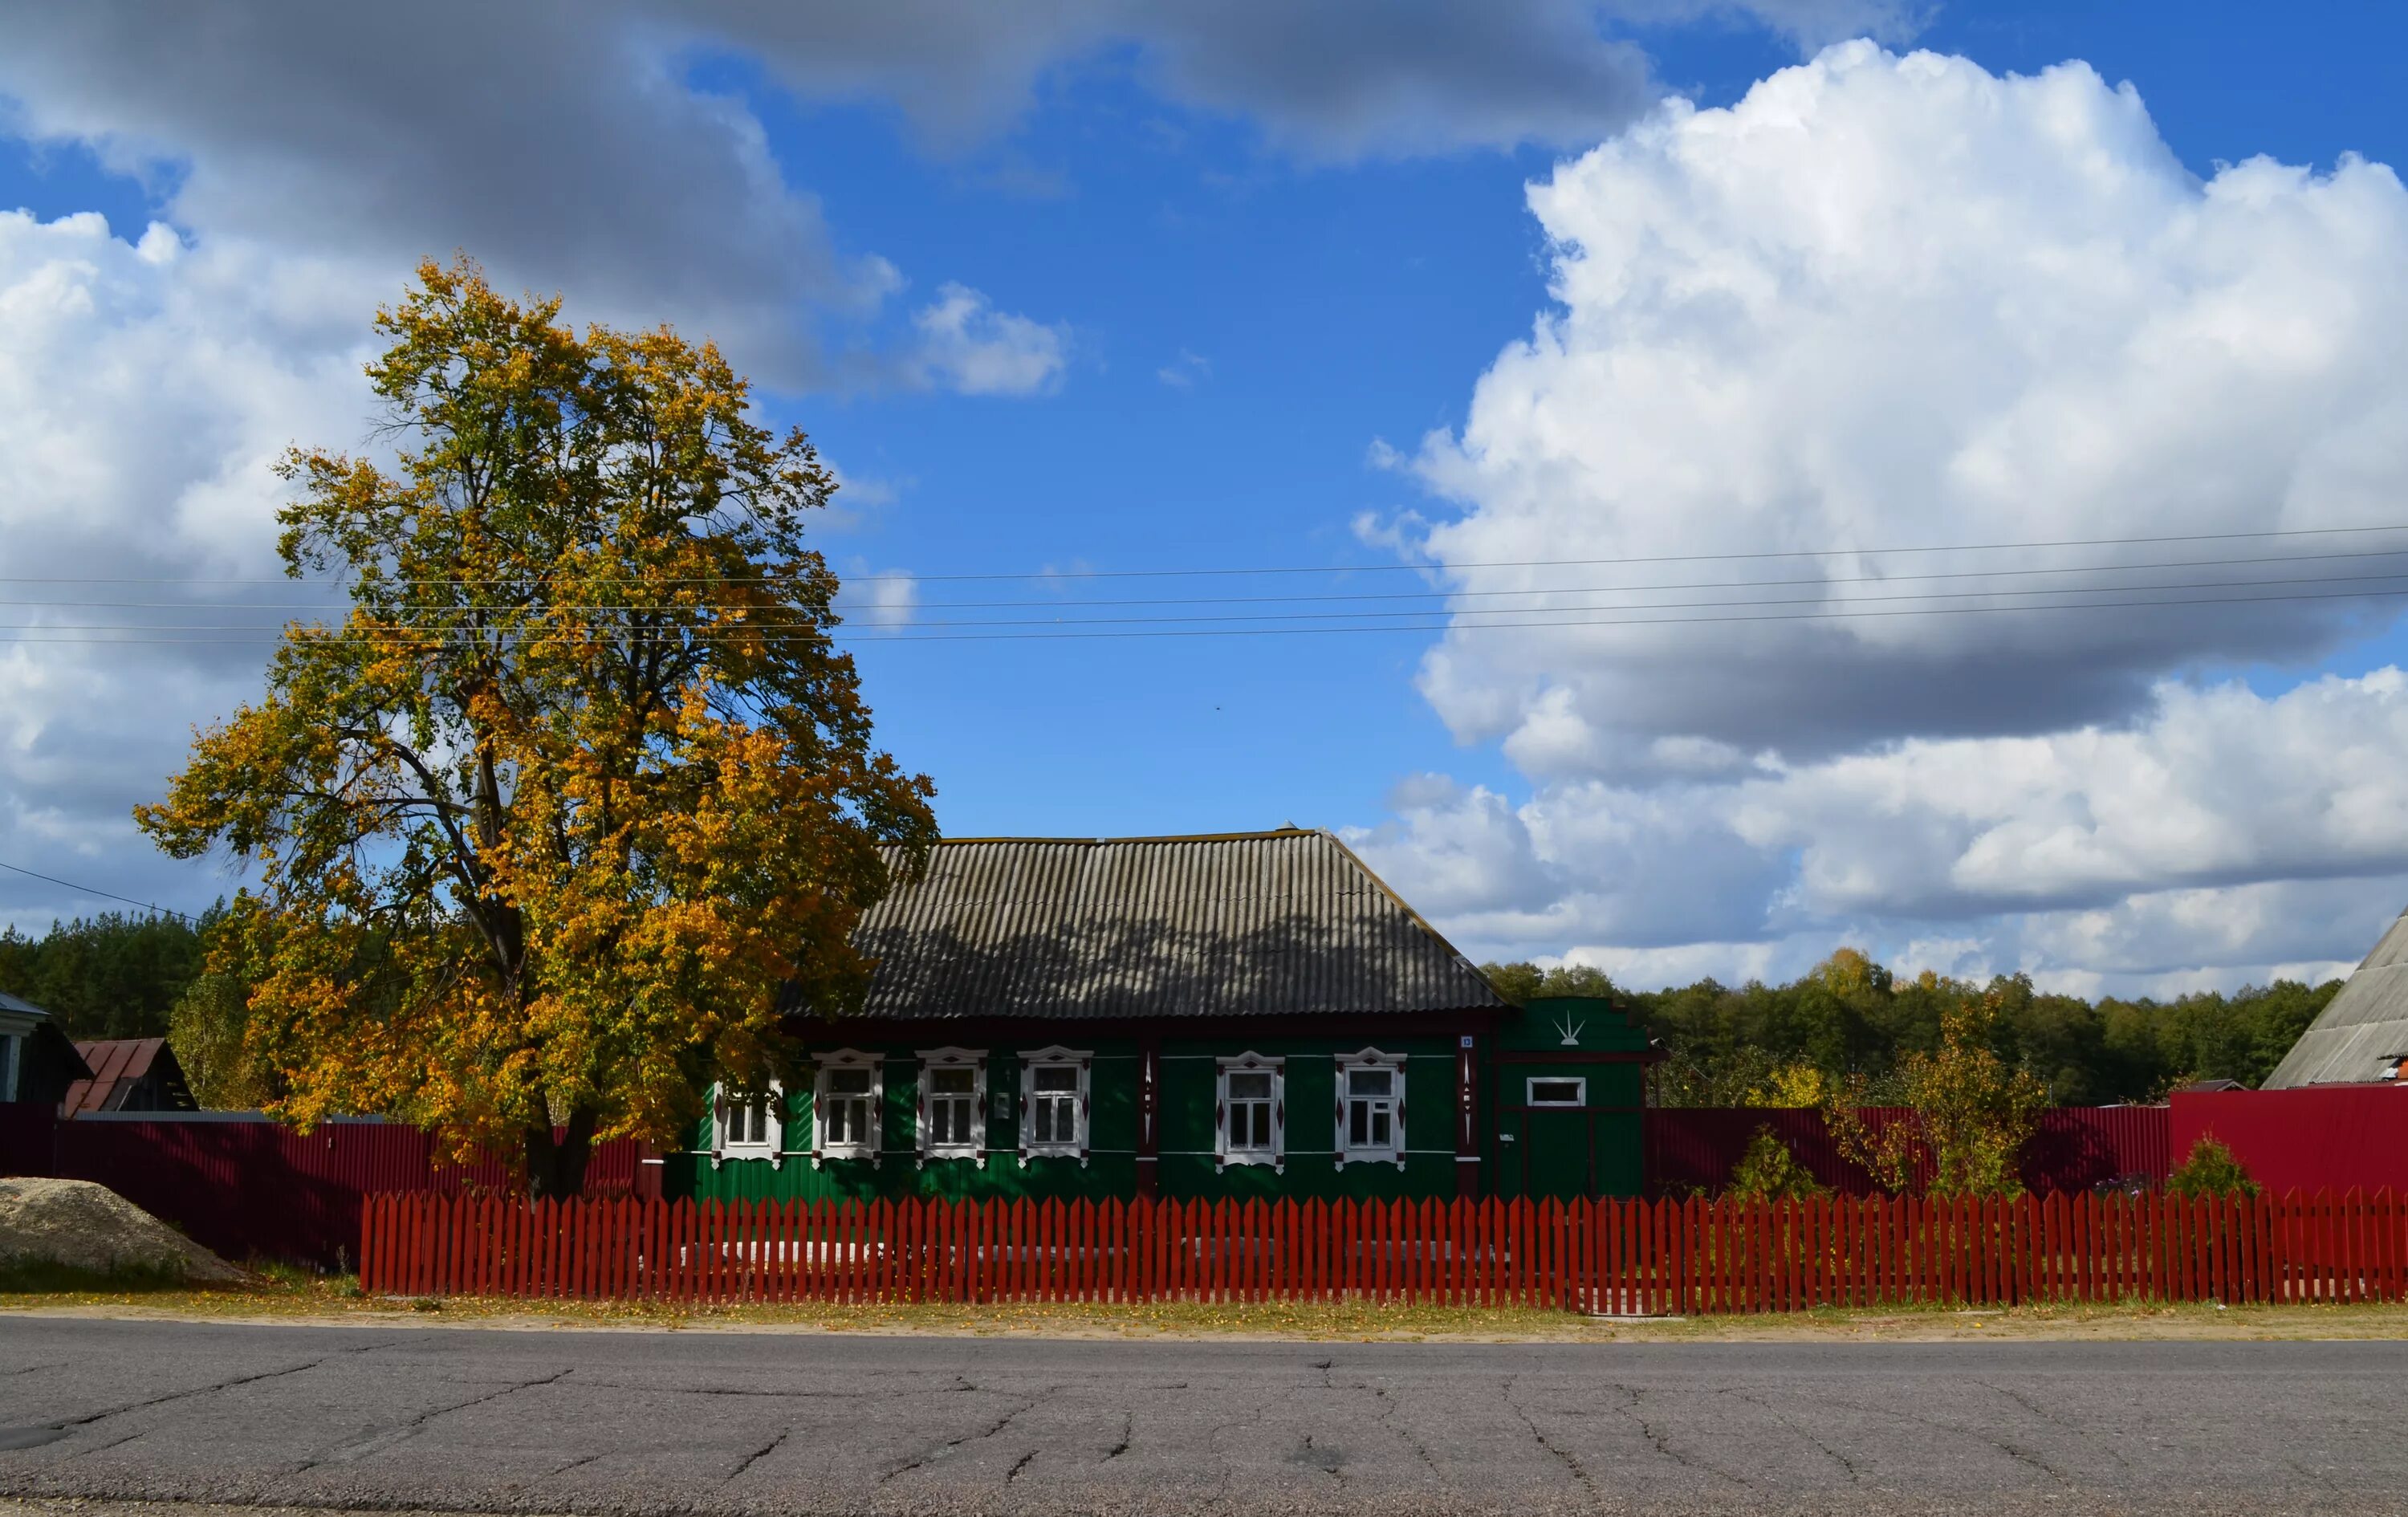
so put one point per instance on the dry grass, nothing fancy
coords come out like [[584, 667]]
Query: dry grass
[[289, 1296]]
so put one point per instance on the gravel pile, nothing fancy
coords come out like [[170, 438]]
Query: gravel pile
[[87, 1226]]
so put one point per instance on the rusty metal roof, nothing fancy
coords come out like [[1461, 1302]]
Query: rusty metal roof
[[116, 1064], [1246, 925], [2362, 1032]]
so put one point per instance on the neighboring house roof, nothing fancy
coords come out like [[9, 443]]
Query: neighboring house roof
[[21, 1007], [118, 1066], [1246, 925], [2363, 1032]]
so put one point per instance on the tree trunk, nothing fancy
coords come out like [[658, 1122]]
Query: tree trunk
[[555, 1161]]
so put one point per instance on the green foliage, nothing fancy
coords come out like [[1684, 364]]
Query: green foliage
[[1520, 983], [115, 975], [1768, 1171], [1972, 1113], [2209, 1170], [209, 1029], [1849, 1017]]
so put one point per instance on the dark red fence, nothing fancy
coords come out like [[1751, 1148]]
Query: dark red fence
[[2332, 1136], [1603, 1256], [243, 1186], [1692, 1150]]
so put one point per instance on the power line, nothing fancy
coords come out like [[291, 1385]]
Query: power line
[[87, 890], [908, 633], [740, 629], [844, 607], [1362, 569]]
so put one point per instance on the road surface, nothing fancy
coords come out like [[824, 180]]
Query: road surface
[[553, 1421]]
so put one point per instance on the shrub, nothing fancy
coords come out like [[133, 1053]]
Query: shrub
[[2210, 1169], [1768, 1171]]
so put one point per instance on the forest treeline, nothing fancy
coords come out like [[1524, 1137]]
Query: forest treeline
[[1786, 1045], [123, 974], [116, 975]]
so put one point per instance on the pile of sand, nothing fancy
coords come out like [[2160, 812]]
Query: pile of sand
[[87, 1226]]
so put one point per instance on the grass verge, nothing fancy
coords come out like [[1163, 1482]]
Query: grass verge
[[282, 1293]]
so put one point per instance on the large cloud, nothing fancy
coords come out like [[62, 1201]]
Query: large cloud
[[1890, 301], [144, 387], [2226, 835]]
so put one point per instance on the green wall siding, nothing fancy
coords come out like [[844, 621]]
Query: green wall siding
[[1550, 1153]]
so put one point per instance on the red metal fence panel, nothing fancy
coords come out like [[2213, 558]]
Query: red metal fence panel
[[2311, 1138], [1692, 1150], [1620, 1258], [245, 1187]]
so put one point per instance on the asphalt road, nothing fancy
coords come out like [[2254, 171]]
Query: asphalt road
[[709, 1422]]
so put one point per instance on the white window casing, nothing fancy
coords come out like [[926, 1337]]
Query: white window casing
[[1556, 1090], [952, 1105], [848, 1096], [1370, 1108], [1054, 1103], [1250, 1111], [748, 1125], [8, 1061]]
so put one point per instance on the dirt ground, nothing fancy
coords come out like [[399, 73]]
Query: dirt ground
[[300, 1299]]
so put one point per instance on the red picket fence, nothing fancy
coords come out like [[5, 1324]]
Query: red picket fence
[[1634, 1257]]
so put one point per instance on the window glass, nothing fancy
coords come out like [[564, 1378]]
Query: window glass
[[1558, 1092], [848, 1114], [1053, 1118], [951, 1102], [1370, 1124], [1248, 1110]]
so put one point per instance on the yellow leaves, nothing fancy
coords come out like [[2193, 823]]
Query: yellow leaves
[[580, 782]]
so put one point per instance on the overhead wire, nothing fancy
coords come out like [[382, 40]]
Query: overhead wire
[[1441, 594], [583, 617], [88, 889], [1054, 574], [1060, 630]]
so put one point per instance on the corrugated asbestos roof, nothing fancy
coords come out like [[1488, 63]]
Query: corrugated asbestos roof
[[2363, 1030], [1273, 923]]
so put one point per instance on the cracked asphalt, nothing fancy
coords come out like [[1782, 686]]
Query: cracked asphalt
[[611, 1423]]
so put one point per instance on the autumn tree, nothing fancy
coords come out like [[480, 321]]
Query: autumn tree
[[579, 786], [1972, 1113]]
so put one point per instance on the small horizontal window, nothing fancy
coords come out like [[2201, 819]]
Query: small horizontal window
[[1559, 1093]]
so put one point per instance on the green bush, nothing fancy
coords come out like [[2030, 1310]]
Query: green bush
[[2210, 1169], [1768, 1171]]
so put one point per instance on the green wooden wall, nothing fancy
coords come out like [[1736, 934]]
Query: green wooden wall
[[1565, 1153], [1185, 1128]]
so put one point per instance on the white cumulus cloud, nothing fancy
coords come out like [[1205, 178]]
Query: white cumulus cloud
[[1890, 301], [966, 344]]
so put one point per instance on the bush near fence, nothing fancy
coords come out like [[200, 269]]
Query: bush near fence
[[1691, 1150], [1620, 1258]]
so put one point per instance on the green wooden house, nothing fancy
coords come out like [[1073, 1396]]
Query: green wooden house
[[1253, 1014]]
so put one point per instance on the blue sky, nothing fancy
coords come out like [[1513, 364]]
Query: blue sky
[[1247, 309]]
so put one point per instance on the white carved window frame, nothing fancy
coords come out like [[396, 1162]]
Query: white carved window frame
[[867, 1146], [771, 1145], [931, 1060], [1393, 1150], [1224, 1152], [1056, 1057]]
